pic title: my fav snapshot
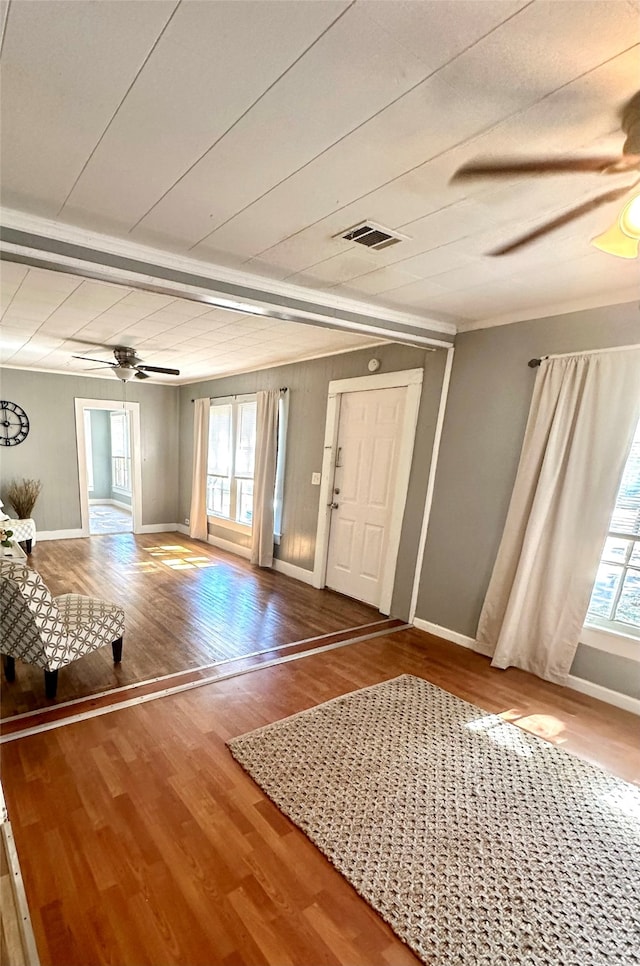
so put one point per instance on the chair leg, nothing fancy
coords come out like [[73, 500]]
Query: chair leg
[[9, 668], [50, 683], [117, 651]]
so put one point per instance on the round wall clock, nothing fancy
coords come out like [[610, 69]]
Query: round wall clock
[[14, 423]]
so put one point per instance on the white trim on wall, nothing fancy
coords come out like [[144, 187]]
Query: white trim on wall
[[433, 467], [229, 546], [411, 379], [60, 534], [291, 570], [111, 405], [158, 528], [619, 700], [616, 698], [610, 641]]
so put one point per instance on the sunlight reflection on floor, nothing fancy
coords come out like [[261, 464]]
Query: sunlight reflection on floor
[[545, 726], [500, 733], [173, 556]]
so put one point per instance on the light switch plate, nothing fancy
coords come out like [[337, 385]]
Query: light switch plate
[[315, 479]]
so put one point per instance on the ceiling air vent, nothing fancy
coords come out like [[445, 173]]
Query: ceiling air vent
[[370, 235]]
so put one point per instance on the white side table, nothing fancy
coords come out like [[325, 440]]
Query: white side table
[[15, 552], [24, 531]]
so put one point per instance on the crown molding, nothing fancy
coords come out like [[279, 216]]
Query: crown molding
[[554, 308]]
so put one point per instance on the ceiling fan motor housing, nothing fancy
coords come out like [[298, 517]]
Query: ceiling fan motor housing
[[125, 356]]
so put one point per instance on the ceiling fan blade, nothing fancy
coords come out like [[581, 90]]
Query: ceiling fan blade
[[141, 375], [167, 372], [89, 359], [564, 219], [509, 167], [96, 368]]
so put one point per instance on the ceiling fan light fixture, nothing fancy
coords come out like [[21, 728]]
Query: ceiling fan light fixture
[[623, 238], [124, 373]]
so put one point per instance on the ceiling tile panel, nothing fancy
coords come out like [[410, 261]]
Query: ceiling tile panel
[[451, 27], [196, 85], [322, 98], [431, 119], [546, 45], [65, 68]]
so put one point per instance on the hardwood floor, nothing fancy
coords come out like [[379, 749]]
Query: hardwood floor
[[186, 605], [143, 842]]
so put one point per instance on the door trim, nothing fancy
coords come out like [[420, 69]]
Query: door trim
[[133, 408], [411, 379]]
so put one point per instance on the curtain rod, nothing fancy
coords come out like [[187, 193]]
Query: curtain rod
[[534, 363], [236, 394]]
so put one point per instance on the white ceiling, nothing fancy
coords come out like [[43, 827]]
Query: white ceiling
[[247, 134]]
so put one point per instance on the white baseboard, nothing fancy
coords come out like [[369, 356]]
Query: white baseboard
[[624, 701], [291, 570], [280, 566], [616, 698], [229, 546], [449, 635], [157, 528], [60, 534]]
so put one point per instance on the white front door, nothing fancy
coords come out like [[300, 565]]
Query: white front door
[[369, 433]]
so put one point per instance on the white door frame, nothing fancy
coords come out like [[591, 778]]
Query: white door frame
[[412, 380], [113, 405]]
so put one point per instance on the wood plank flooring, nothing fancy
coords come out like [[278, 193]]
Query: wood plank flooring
[[143, 842], [186, 604]]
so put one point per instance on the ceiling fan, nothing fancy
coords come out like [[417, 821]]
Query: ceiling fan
[[624, 236], [128, 365]]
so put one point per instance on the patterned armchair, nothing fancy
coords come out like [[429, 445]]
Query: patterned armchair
[[51, 632]]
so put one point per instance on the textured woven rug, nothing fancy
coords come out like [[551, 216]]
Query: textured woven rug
[[479, 844]]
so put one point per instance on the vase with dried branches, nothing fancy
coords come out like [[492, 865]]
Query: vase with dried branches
[[22, 495]]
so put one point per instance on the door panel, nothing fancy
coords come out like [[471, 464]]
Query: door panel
[[368, 438]]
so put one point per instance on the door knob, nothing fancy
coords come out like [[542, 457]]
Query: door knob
[[333, 506]]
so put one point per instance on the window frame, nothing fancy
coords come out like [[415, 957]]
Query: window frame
[[616, 636], [216, 519]]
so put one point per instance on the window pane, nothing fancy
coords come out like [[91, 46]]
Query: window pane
[[246, 441], [635, 554], [119, 434], [604, 591], [219, 458], [615, 550], [244, 512], [626, 515], [218, 496], [628, 609], [120, 473]]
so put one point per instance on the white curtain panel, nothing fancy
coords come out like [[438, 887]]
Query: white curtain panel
[[198, 512], [264, 477], [583, 414]]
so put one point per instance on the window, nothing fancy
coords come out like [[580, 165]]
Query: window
[[231, 461], [615, 601], [231, 458], [120, 452]]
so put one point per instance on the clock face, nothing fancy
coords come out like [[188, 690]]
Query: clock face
[[14, 424]]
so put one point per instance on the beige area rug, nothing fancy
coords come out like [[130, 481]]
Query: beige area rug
[[479, 844]]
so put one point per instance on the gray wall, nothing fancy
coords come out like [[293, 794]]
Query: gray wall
[[488, 404], [49, 452], [308, 386], [101, 452]]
